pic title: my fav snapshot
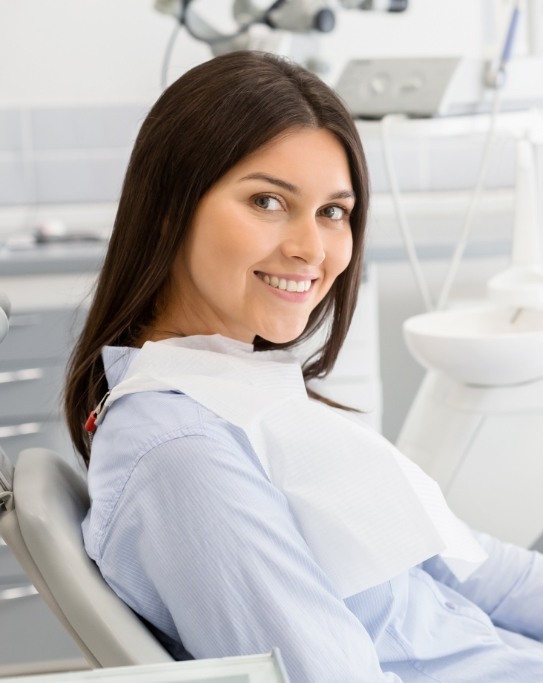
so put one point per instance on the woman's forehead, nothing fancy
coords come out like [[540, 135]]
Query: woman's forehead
[[302, 152]]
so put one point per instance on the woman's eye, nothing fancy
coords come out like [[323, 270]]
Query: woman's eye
[[335, 213], [268, 203]]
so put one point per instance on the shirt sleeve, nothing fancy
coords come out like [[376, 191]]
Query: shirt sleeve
[[508, 586], [218, 543]]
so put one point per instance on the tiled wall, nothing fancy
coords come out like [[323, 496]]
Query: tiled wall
[[65, 155], [436, 164]]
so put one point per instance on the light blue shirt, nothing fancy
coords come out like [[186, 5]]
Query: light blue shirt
[[188, 530]]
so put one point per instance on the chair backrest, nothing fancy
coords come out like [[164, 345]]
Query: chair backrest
[[43, 530]]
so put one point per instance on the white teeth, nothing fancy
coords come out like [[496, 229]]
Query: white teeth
[[287, 285]]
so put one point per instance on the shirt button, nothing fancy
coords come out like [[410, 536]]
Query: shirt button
[[450, 605]]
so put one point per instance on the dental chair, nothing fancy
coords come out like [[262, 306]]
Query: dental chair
[[43, 500]]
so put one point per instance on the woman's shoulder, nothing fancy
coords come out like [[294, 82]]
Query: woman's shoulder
[[138, 423], [146, 418], [156, 437]]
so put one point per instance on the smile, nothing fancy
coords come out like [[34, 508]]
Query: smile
[[284, 284]]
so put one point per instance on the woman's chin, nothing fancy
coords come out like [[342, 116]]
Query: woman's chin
[[282, 336]]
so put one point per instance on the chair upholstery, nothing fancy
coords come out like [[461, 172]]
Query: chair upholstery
[[43, 530]]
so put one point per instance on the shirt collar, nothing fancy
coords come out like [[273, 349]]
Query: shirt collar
[[116, 360]]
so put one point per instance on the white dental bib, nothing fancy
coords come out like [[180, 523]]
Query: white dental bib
[[366, 512]]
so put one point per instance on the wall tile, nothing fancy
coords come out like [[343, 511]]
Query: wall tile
[[10, 130], [408, 157], [80, 180], [441, 163], [86, 127], [80, 155], [454, 164], [15, 186]]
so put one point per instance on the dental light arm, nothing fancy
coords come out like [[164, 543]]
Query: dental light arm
[[379, 5], [290, 27], [300, 16], [297, 16]]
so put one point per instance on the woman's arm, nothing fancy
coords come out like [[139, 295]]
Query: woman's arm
[[508, 586], [200, 524]]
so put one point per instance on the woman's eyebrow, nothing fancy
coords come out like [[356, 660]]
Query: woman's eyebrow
[[274, 181], [344, 194], [294, 189]]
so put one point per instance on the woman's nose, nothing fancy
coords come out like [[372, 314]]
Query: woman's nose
[[304, 241]]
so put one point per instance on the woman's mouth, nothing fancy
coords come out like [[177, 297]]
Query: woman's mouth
[[284, 284]]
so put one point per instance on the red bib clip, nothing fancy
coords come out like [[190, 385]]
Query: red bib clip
[[90, 424]]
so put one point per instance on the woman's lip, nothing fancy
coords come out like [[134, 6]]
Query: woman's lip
[[296, 278]]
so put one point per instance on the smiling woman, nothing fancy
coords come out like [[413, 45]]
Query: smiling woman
[[200, 147], [267, 242], [231, 511]]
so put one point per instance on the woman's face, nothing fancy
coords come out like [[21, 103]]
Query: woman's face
[[267, 242]]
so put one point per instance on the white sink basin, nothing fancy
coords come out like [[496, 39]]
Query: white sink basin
[[482, 346]]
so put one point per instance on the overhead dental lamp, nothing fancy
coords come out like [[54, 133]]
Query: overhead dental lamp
[[290, 15], [309, 17]]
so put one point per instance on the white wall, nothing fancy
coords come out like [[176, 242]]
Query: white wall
[[110, 51], [88, 51], [76, 77]]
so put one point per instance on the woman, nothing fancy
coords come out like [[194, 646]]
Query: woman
[[231, 512]]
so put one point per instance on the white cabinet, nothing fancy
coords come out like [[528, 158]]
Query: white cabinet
[[43, 324]]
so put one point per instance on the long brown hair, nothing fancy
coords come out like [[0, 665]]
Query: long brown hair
[[200, 127]]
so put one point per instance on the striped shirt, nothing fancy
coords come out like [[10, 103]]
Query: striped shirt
[[189, 531]]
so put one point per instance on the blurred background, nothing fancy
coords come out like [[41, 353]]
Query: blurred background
[[420, 76], [76, 79]]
